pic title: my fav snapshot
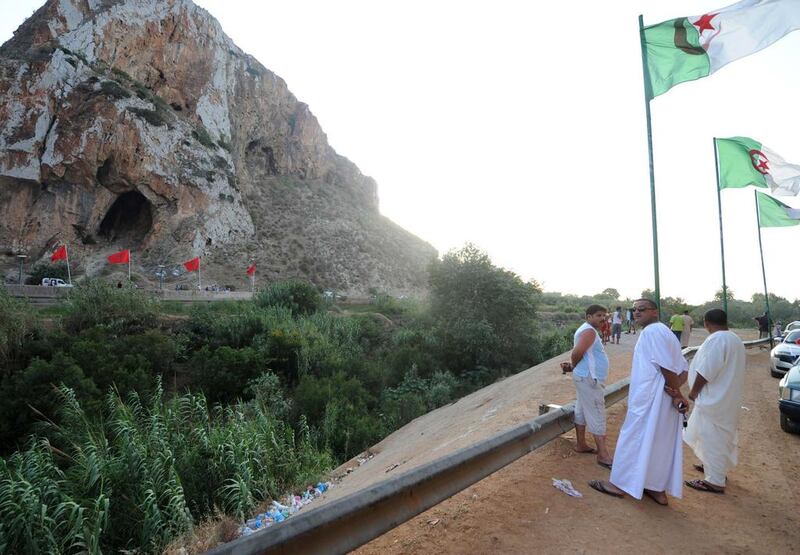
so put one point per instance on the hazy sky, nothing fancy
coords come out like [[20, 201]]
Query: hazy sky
[[519, 126]]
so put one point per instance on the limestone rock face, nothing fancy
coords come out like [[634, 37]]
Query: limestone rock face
[[139, 124]]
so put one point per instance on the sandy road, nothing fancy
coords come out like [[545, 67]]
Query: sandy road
[[516, 510]]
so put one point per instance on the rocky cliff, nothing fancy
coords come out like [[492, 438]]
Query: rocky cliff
[[139, 124]]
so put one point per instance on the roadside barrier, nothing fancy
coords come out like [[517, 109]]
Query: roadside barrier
[[347, 523]]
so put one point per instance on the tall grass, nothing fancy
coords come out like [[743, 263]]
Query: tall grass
[[146, 472]]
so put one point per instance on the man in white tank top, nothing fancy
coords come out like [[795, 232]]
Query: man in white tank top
[[589, 366]]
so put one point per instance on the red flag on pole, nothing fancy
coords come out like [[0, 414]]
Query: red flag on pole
[[251, 271], [192, 265], [59, 254], [121, 257]]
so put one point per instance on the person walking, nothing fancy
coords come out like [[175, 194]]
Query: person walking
[[687, 329], [716, 377], [588, 363], [763, 325], [616, 325], [649, 455]]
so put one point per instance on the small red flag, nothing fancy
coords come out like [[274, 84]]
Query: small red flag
[[59, 254], [192, 265], [251, 270], [121, 257]]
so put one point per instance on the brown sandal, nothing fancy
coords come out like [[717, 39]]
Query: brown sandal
[[651, 495], [702, 485], [599, 486]]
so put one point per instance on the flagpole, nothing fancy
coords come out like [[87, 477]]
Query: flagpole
[[647, 96], [69, 274], [721, 240], [763, 271], [199, 279], [129, 266]]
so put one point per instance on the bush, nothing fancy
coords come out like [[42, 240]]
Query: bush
[[153, 117], [224, 374], [18, 325], [144, 474], [298, 296], [97, 303], [46, 269]]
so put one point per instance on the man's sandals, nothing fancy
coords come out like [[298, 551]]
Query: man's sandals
[[702, 485], [601, 487]]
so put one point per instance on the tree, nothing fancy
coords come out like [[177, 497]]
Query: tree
[[610, 292], [484, 314], [718, 296]]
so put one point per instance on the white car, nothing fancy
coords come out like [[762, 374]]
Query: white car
[[793, 326], [55, 282], [785, 354]]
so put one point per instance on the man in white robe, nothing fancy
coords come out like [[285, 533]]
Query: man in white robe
[[716, 377], [649, 455]]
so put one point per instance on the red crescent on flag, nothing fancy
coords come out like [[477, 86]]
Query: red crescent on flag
[[760, 161]]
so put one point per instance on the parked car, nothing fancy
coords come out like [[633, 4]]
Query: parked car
[[55, 282], [785, 354], [789, 401], [792, 326]]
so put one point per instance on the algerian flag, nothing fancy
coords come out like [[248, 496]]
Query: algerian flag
[[743, 162], [689, 48], [773, 213]]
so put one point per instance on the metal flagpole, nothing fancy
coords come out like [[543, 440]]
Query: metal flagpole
[[199, 279], [647, 95], [129, 266], [763, 271], [721, 240], [69, 274]]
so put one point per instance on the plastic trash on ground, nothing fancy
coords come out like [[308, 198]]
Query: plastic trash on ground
[[566, 487]]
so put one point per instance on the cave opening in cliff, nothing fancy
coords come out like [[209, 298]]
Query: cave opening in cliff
[[130, 217]]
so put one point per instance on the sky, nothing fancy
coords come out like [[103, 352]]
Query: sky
[[520, 127]]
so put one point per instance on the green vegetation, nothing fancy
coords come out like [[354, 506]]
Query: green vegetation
[[46, 269], [261, 396], [153, 117]]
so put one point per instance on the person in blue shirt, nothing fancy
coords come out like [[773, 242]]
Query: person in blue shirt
[[589, 366]]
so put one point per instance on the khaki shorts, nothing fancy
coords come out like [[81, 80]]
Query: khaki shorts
[[590, 406]]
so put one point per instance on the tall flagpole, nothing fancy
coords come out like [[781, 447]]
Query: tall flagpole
[[763, 272], [721, 240], [199, 279], [647, 96], [69, 274], [129, 266]]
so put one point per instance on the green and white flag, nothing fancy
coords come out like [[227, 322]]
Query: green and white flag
[[689, 48], [744, 161], [773, 213]]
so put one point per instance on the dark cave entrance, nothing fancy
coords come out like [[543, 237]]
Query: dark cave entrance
[[129, 218]]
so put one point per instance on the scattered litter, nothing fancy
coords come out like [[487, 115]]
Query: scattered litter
[[392, 467], [745, 408], [566, 487], [362, 460], [546, 510], [474, 496], [278, 512], [433, 522]]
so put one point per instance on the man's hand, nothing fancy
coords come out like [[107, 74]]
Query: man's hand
[[566, 367], [671, 391], [680, 404]]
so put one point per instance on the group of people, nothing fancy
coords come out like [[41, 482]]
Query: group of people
[[648, 459], [611, 327]]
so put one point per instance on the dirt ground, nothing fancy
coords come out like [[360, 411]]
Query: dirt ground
[[516, 510]]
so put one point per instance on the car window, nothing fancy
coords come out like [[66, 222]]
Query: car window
[[793, 337]]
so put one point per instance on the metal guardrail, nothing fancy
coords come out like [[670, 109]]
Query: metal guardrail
[[347, 523]]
